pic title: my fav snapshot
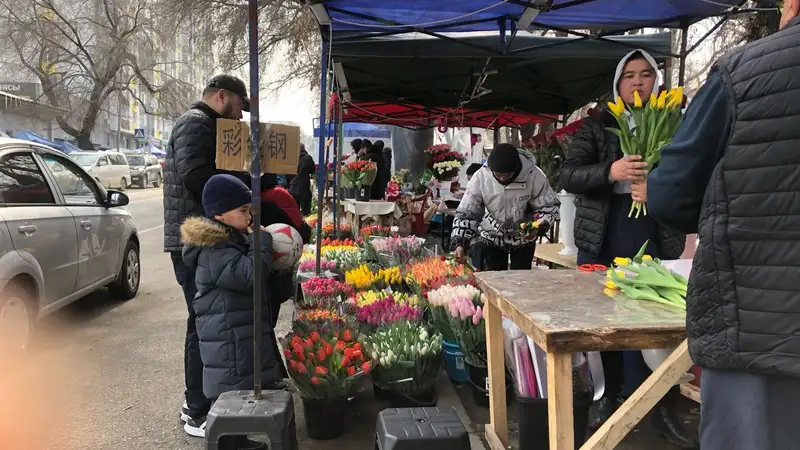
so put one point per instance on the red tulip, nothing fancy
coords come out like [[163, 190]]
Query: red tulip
[[315, 381], [287, 354], [315, 337], [319, 370], [301, 357], [351, 371], [328, 349], [348, 353], [321, 354], [348, 335], [345, 362], [301, 369], [366, 367]]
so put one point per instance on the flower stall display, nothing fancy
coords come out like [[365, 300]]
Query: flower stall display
[[387, 311], [443, 162], [440, 299], [324, 367], [361, 278], [408, 360], [310, 265], [393, 191], [395, 251], [329, 231], [645, 129], [324, 293], [359, 173]]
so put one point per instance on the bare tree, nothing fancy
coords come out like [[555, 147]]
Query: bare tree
[[83, 51], [289, 39]]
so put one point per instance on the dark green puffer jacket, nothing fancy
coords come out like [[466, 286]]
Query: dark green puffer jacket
[[222, 259]]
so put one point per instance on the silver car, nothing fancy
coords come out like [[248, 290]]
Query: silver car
[[62, 236]]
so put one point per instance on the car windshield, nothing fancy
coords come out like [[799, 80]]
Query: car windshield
[[135, 160], [84, 159]]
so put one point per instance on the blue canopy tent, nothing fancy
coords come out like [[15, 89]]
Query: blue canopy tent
[[65, 146], [33, 137]]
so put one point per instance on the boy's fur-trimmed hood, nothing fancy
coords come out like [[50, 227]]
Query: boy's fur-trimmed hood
[[202, 232]]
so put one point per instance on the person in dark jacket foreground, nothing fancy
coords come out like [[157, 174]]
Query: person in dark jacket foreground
[[601, 176], [509, 191], [220, 249], [730, 173], [190, 163], [300, 184]]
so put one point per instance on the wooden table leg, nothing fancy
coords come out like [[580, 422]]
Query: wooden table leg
[[642, 401], [559, 401], [497, 429]]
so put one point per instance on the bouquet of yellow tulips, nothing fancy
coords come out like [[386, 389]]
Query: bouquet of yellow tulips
[[645, 129]]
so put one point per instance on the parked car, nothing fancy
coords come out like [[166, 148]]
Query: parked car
[[110, 169], [145, 170], [62, 236]]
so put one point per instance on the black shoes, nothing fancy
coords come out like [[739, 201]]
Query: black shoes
[[667, 425], [601, 410]]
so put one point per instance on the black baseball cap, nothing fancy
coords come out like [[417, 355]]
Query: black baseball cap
[[232, 84]]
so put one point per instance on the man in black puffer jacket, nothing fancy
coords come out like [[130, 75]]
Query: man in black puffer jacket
[[190, 163], [731, 173], [597, 172]]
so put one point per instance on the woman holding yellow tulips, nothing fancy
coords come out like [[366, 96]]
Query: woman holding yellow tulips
[[603, 178]]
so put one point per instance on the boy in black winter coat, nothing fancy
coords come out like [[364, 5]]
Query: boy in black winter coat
[[220, 249]]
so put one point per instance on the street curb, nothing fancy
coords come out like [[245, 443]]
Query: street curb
[[448, 397]]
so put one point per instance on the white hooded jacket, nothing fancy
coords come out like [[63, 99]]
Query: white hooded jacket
[[494, 211]]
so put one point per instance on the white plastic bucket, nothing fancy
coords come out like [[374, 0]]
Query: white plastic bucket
[[566, 231]]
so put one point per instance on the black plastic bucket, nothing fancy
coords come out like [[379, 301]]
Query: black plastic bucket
[[534, 431], [479, 381], [363, 193], [324, 418], [421, 399]]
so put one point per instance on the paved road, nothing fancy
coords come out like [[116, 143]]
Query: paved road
[[109, 374]]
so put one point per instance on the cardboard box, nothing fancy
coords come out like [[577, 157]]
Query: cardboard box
[[280, 147]]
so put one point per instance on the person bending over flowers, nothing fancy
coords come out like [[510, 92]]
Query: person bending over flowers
[[508, 192]]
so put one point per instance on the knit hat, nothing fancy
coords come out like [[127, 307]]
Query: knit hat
[[504, 159], [223, 193]]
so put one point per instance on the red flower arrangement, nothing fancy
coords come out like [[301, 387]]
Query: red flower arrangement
[[359, 173], [324, 365], [392, 191], [375, 230], [324, 293]]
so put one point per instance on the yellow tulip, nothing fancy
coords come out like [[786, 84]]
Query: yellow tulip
[[676, 97], [662, 100], [617, 107], [611, 285], [620, 261], [647, 257], [653, 100], [637, 101]]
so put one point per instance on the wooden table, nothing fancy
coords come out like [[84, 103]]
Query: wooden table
[[550, 254], [566, 311]]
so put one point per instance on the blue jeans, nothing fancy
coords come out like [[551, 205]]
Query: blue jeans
[[197, 402]]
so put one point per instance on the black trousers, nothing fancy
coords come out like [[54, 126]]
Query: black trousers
[[197, 402], [493, 258]]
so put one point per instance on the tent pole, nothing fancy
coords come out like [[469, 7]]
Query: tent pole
[[255, 174], [684, 43], [335, 198], [321, 154], [496, 136]]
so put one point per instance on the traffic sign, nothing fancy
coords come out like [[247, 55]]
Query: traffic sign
[[138, 133]]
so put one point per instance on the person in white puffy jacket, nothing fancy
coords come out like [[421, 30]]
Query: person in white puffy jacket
[[508, 191]]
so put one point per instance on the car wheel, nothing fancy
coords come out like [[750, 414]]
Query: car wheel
[[157, 183], [123, 184], [127, 284], [16, 322]]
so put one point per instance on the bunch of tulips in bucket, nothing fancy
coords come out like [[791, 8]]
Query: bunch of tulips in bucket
[[408, 360], [440, 300], [324, 293], [468, 325], [324, 365], [387, 311], [433, 272], [443, 162], [645, 129], [395, 251]]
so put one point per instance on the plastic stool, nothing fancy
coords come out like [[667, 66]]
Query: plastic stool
[[420, 429], [238, 413]]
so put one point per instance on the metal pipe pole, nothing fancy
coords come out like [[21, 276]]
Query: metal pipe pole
[[321, 175], [255, 174], [334, 186], [684, 43]]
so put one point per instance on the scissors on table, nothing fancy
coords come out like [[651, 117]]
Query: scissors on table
[[589, 268]]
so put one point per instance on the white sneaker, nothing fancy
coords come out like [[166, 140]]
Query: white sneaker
[[195, 427], [184, 412]]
